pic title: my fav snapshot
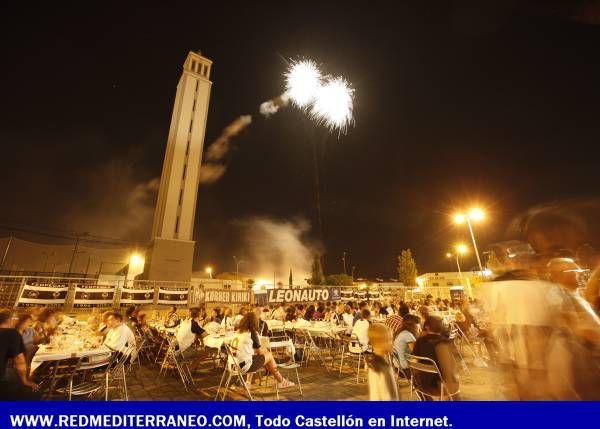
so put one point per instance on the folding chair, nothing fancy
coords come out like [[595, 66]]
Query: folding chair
[[422, 367], [456, 340], [355, 352], [63, 379], [173, 360], [233, 371], [401, 374], [313, 350], [283, 352]]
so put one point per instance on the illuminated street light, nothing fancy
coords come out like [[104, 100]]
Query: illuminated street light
[[459, 249], [475, 214], [459, 218], [135, 260], [209, 271]]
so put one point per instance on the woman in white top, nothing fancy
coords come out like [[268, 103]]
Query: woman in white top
[[227, 320], [238, 317], [404, 342], [361, 329], [250, 355]]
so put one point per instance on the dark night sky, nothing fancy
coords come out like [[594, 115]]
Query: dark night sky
[[455, 104]]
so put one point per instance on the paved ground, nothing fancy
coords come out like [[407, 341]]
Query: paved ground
[[318, 383]]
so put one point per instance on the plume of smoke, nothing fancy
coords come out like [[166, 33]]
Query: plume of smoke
[[219, 148], [272, 246], [213, 169], [272, 106], [210, 173]]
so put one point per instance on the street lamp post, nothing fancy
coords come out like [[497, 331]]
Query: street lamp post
[[238, 262], [209, 272], [475, 214], [344, 261], [459, 249]]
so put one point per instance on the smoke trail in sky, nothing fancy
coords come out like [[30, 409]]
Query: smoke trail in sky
[[213, 168], [210, 173], [271, 107]]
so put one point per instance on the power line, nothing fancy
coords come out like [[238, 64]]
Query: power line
[[88, 238]]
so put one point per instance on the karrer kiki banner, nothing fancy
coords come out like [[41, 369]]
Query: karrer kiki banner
[[177, 296], [304, 295], [45, 294], [87, 296], [199, 295]]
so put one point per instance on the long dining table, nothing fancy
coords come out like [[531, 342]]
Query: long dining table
[[75, 341]]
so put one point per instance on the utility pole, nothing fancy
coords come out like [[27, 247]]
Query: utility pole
[[344, 261], [87, 267]]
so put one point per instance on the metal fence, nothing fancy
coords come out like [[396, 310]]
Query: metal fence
[[72, 294]]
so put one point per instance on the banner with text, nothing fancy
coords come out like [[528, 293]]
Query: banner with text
[[87, 296], [199, 295], [178, 296], [296, 414], [304, 295], [137, 296], [38, 293]]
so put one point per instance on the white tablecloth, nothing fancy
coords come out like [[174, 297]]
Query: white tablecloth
[[215, 341], [46, 354]]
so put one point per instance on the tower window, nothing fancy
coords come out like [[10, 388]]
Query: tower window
[[184, 169], [177, 225], [194, 106], [180, 196], [191, 125], [193, 67], [187, 147]]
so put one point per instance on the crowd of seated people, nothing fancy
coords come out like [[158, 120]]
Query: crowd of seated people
[[417, 327]]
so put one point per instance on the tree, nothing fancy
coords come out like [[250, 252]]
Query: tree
[[317, 277], [407, 268], [338, 280]]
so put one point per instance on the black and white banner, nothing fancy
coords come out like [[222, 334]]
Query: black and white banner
[[137, 296], [304, 295], [37, 293], [87, 296], [177, 296]]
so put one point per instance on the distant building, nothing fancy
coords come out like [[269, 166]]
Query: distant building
[[442, 282]]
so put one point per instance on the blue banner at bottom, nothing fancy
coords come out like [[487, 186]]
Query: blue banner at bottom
[[260, 415]]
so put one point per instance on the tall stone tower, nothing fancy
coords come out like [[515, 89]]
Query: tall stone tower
[[171, 252]]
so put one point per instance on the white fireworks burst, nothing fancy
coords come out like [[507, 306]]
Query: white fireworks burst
[[333, 104], [303, 80]]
